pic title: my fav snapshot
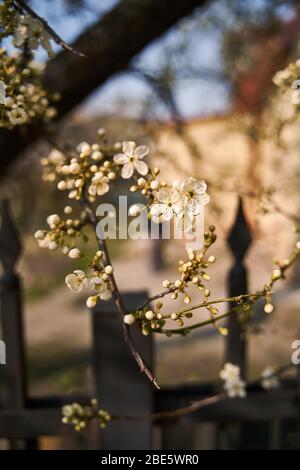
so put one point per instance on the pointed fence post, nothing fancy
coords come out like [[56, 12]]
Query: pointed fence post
[[239, 241], [13, 372]]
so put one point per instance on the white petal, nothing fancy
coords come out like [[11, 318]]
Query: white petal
[[102, 189], [93, 190], [168, 214], [121, 159], [73, 282], [127, 170], [79, 273], [96, 283], [158, 209], [177, 207], [141, 151], [204, 199], [163, 195], [174, 195], [128, 148], [194, 207], [141, 167], [200, 186]]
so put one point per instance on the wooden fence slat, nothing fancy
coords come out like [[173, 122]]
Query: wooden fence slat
[[120, 388], [258, 406], [11, 316]]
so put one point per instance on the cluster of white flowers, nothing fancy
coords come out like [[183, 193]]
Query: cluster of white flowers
[[286, 77], [269, 379], [183, 200], [62, 235], [86, 174], [98, 281], [94, 166], [23, 28], [30, 31], [233, 384], [78, 415], [90, 168], [22, 95], [235, 387]]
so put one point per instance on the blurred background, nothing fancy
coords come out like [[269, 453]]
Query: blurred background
[[196, 86]]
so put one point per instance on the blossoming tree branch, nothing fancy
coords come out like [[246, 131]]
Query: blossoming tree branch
[[87, 173]]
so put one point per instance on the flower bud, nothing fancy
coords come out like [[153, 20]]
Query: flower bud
[[74, 253], [68, 210], [91, 301], [53, 220], [149, 315], [129, 319], [268, 308], [108, 269], [166, 283], [39, 235]]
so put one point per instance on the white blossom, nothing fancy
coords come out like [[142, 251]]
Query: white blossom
[[17, 116], [168, 205], [53, 220], [76, 281], [39, 234], [135, 210], [129, 319], [74, 253], [56, 157], [269, 379], [131, 159], [32, 32], [233, 384], [236, 388], [281, 76], [9, 102], [230, 372], [194, 196], [99, 185], [101, 287]]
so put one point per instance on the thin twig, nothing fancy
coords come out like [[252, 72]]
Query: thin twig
[[119, 301], [188, 409], [194, 406], [22, 5], [160, 295]]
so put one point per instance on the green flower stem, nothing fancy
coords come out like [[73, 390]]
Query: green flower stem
[[186, 329], [238, 299]]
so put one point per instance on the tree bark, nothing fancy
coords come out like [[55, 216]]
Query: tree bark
[[109, 45]]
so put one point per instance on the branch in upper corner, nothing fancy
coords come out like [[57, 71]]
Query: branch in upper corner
[[22, 5]]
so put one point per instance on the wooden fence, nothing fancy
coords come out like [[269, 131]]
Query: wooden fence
[[261, 420]]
